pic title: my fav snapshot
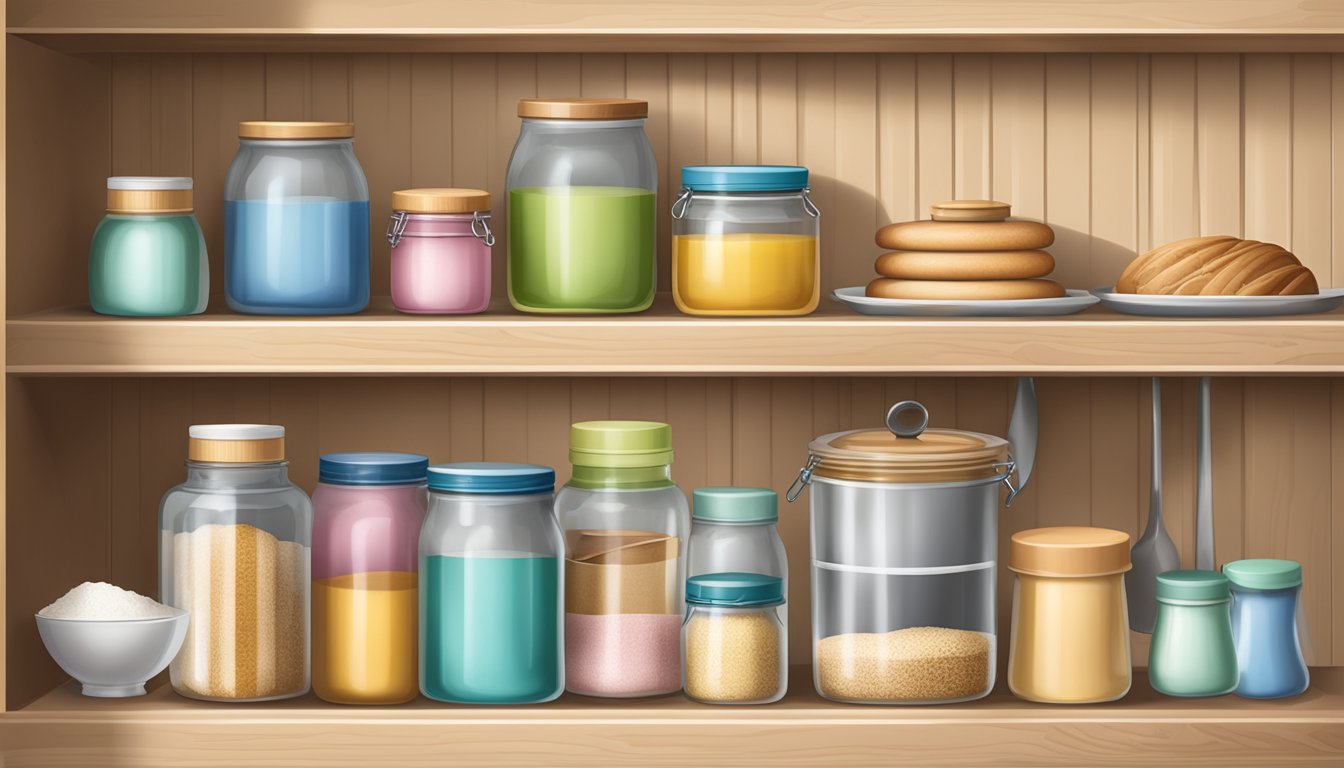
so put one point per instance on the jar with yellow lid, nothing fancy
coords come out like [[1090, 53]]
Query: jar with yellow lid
[[441, 242], [234, 552], [148, 254], [904, 554], [1070, 632]]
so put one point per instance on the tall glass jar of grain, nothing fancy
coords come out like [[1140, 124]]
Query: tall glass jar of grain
[[625, 525], [234, 551], [581, 207]]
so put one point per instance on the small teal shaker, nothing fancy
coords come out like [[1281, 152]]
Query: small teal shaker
[[1265, 597], [148, 253], [1192, 653]]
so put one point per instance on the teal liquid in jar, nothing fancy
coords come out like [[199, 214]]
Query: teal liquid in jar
[[148, 266], [491, 629]]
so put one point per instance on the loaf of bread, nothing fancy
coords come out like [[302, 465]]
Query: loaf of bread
[[1217, 266]]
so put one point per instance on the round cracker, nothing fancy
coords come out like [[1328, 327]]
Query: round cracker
[[965, 236], [964, 290], [965, 265]]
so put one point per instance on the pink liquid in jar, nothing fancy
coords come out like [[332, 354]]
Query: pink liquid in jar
[[439, 266], [366, 528]]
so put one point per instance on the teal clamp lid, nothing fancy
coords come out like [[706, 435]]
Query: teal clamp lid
[[491, 477], [1192, 585], [743, 178], [734, 589], [1264, 573], [736, 505]]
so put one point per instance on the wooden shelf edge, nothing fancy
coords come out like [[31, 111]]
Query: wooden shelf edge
[[662, 342], [801, 730]]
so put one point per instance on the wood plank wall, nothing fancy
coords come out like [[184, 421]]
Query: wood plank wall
[[97, 454], [1119, 152]]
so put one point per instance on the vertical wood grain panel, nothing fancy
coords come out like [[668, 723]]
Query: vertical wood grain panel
[[1337, 517], [288, 87], [790, 430], [686, 122], [1228, 437], [933, 75], [719, 431], [746, 98], [381, 102], [1173, 160], [548, 420], [1287, 455], [1068, 166], [719, 129], [1311, 203], [648, 78], [1218, 119], [818, 149], [1063, 474], [1018, 148], [897, 137], [855, 208], [688, 414], [972, 126], [778, 113], [431, 121], [467, 417], [504, 419], [329, 93], [1337, 173], [132, 114], [515, 79], [559, 75], [1267, 87], [602, 75], [1115, 187]]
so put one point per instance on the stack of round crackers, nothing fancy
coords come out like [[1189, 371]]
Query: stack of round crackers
[[968, 251]]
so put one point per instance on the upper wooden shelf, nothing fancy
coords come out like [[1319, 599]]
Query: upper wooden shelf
[[662, 341], [64, 728], [689, 25]]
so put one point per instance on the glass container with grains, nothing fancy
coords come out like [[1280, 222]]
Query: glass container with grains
[[234, 551], [735, 649]]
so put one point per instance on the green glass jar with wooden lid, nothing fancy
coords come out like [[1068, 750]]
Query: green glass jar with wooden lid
[[148, 253]]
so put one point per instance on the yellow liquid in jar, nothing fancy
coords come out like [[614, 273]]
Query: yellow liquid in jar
[[745, 274], [365, 629], [1070, 639]]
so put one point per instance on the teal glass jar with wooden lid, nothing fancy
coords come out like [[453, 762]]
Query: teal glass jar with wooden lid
[[148, 254]]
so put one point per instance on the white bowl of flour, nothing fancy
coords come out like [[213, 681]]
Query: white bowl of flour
[[109, 639]]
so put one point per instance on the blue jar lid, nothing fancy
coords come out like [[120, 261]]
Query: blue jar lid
[[730, 589], [743, 178], [372, 468], [491, 477]]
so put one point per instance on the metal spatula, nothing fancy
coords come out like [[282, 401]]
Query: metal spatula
[[1154, 552]]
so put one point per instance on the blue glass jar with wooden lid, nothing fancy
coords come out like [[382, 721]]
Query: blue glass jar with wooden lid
[[148, 257]]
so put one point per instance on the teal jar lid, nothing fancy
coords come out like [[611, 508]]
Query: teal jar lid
[[736, 505], [1192, 585], [734, 589], [1264, 573], [620, 444]]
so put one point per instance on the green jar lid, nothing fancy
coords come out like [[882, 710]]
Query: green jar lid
[[736, 505], [1192, 585], [620, 444], [1264, 573]]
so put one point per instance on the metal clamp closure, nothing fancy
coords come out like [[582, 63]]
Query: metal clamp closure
[[804, 477], [1008, 469], [396, 227], [682, 203], [809, 206], [480, 228], [482, 220]]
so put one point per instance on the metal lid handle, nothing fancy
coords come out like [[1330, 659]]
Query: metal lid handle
[[908, 418]]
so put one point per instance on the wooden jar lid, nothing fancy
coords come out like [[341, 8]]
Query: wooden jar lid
[[970, 210], [272, 129], [583, 109], [440, 200], [1069, 551]]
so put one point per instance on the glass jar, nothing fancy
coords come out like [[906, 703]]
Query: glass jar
[[1070, 631], [296, 221], [234, 552], [581, 184], [1266, 611], [1192, 652], [367, 513], [736, 647], [441, 242], [904, 554], [148, 254], [735, 529], [490, 609], [625, 526], [745, 241]]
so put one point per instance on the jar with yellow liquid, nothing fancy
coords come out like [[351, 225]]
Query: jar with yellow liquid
[[1070, 633], [745, 241], [368, 509]]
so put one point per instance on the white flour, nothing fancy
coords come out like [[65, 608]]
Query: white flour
[[104, 602]]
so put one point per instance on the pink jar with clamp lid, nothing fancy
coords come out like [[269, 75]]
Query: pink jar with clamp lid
[[441, 242]]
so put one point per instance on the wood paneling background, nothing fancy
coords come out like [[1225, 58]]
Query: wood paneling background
[[1119, 152], [97, 454]]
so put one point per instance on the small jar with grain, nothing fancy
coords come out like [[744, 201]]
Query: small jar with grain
[[734, 643], [234, 552]]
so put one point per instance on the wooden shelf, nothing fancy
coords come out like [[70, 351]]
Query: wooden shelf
[[802, 730], [662, 341], [694, 25]]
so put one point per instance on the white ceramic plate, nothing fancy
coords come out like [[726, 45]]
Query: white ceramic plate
[[1074, 301], [1220, 306]]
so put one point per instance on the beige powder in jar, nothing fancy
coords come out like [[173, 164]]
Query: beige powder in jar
[[916, 664], [247, 637], [733, 656]]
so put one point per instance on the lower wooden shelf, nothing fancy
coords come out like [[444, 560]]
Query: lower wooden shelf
[[64, 728]]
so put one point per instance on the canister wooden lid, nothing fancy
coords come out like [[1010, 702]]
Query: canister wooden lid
[[934, 456], [273, 129], [440, 200], [583, 109], [1069, 551], [970, 210], [149, 194]]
